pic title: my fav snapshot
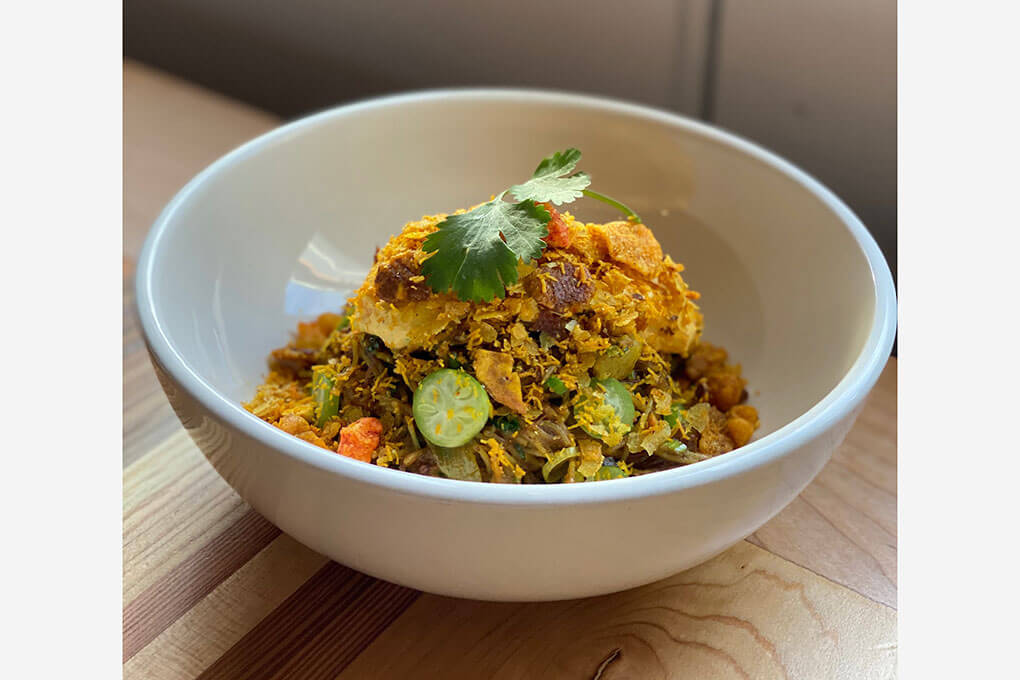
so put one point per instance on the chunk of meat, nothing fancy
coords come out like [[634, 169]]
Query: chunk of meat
[[631, 244], [360, 439], [496, 371], [394, 281], [558, 285], [559, 232], [551, 323], [292, 359]]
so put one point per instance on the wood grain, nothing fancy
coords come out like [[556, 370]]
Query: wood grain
[[327, 623], [216, 623], [211, 589], [186, 584], [745, 614], [174, 503], [843, 526]]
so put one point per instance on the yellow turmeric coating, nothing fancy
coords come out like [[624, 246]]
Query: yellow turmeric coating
[[604, 293], [637, 291]]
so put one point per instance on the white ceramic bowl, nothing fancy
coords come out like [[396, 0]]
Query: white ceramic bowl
[[285, 226]]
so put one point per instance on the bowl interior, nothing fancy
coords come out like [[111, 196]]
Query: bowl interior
[[285, 228]]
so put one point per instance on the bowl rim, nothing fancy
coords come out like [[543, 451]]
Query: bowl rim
[[847, 395]]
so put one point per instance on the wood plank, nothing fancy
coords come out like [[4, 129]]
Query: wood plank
[[225, 616], [166, 600], [843, 526], [318, 631], [745, 614], [174, 503]]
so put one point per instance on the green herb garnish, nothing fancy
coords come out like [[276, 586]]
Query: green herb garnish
[[476, 253], [673, 417], [507, 424], [619, 205], [327, 401], [552, 180], [556, 386]]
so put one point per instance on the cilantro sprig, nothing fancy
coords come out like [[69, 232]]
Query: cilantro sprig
[[552, 180], [470, 256], [476, 253]]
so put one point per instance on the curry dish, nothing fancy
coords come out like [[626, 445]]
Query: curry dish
[[589, 367], [512, 343]]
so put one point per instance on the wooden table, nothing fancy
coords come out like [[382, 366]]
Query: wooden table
[[213, 590]]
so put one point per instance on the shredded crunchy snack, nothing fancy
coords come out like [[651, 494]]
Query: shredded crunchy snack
[[583, 363]]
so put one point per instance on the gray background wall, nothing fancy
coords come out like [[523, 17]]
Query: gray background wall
[[814, 80]]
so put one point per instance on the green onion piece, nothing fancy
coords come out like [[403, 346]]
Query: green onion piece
[[619, 398], [673, 451], [609, 472], [674, 446], [345, 323], [451, 362], [601, 422], [618, 361], [556, 466], [506, 424], [458, 463], [674, 415], [556, 386], [412, 430], [327, 403], [450, 407]]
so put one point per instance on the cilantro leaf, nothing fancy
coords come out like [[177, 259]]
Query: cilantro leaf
[[471, 255], [475, 253], [552, 180]]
